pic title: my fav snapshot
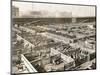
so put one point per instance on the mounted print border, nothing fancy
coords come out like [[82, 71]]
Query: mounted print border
[[52, 37]]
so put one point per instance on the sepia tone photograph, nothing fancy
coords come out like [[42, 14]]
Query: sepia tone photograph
[[52, 37]]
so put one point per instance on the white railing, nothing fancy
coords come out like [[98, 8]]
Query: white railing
[[28, 64]]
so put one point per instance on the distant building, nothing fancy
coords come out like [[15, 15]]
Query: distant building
[[15, 11], [49, 14], [36, 13], [73, 19], [65, 14]]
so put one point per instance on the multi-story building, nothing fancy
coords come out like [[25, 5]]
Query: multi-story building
[[15, 11]]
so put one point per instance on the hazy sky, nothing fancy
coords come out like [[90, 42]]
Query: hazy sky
[[25, 7]]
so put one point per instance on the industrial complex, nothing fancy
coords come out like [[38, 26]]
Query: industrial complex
[[52, 44]]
